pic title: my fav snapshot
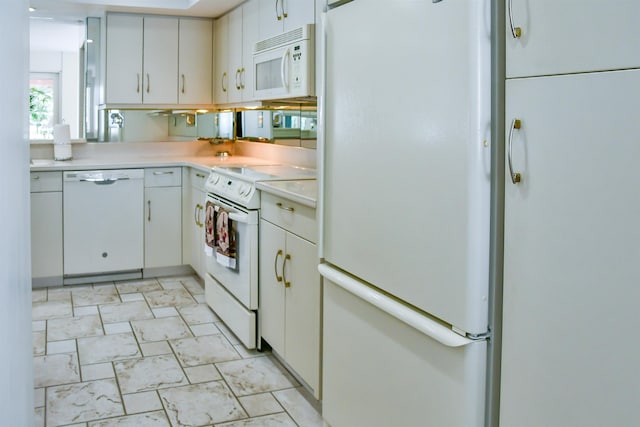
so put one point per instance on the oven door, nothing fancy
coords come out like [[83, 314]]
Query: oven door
[[242, 280]]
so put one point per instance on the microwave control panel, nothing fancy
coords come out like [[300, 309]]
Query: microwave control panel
[[297, 65]]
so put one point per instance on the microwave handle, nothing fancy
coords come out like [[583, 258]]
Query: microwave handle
[[283, 63]]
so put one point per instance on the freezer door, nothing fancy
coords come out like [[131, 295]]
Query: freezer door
[[407, 157], [571, 272], [379, 370]]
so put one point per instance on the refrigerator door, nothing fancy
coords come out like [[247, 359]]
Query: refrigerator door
[[406, 166], [571, 273], [385, 365]]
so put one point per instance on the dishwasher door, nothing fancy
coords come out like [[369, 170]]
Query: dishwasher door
[[103, 221]]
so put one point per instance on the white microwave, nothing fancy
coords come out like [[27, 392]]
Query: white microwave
[[283, 65]]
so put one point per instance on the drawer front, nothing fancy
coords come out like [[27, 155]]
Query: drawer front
[[292, 216], [163, 177], [198, 178], [46, 181]]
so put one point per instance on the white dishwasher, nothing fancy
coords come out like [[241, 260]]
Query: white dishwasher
[[103, 224]]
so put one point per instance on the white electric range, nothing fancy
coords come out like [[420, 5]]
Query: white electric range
[[232, 210]]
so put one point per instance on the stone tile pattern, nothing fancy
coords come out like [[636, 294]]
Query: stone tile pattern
[[175, 365]]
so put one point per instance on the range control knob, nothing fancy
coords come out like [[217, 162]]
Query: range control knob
[[243, 189], [214, 178]]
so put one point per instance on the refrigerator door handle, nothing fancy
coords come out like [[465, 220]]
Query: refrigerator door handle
[[427, 326]]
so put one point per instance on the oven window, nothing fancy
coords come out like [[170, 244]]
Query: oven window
[[268, 74]]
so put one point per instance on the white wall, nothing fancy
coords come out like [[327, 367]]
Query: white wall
[[16, 377]]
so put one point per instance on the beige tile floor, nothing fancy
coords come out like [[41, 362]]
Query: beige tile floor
[[151, 353]]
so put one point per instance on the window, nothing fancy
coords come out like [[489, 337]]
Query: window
[[43, 105]]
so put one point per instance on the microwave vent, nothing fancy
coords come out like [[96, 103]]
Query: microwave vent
[[291, 36]]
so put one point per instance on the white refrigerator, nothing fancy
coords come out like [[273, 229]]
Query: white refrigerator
[[405, 212]]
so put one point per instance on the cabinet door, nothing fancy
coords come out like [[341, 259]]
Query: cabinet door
[[272, 317], [124, 59], [302, 310], [298, 13], [235, 55], [221, 80], [271, 20], [571, 252], [46, 235], [163, 227], [160, 60], [195, 61], [567, 36], [250, 19], [197, 231]]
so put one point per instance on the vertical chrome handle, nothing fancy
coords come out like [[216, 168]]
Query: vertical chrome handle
[[515, 177], [149, 210], [138, 84], [182, 76], [148, 83], [278, 13], [275, 266], [516, 32], [284, 276]]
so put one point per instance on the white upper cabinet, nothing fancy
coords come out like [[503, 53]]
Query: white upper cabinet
[[278, 16], [547, 37], [124, 59], [221, 64], [195, 61], [160, 60], [235, 35]]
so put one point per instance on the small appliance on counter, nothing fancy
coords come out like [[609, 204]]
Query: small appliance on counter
[[62, 142]]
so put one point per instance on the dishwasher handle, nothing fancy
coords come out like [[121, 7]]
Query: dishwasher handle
[[103, 181]]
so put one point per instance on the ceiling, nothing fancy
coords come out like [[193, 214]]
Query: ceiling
[[59, 24]]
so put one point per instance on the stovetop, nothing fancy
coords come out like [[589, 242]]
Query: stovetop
[[238, 183]]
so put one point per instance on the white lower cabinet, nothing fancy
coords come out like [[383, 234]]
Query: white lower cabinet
[[193, 220], [290, 287], [46, 228], [163, 217]]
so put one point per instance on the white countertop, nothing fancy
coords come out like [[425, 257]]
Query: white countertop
[[304, 191], [301, 191], [118, 162]]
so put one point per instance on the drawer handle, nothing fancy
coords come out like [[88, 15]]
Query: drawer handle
[[35, 178], [163, 173], [275, 266], [285, 208], [284, 265], [199, 175]]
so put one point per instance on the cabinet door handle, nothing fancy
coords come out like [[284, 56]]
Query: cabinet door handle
[[138, 83], [195, 214], [284, 276], [148, 83], [516, 32], [149, 210], [224, 75], [277, 12], [515, 176], [242, 78], [285, 208], [182, 76], [275, 266], [284, 12], [238, 79]]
